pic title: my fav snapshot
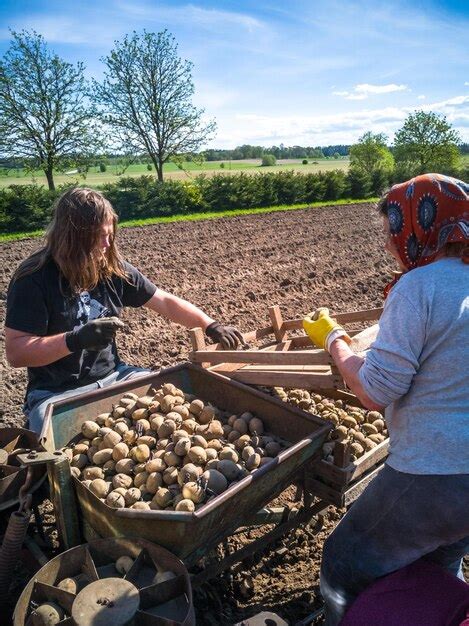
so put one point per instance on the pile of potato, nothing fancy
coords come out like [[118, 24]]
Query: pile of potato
[[168, 451], [363, 429]]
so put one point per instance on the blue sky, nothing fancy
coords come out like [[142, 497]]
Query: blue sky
[[294, 72]]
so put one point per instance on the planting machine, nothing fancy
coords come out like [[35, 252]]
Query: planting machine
[[92, 536]]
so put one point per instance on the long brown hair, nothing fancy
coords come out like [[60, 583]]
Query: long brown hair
[[72, 241]]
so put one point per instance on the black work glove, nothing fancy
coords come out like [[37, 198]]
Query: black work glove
[[228, 336], [94, 335]]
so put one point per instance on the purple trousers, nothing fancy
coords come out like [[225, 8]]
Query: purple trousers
[[421, 594]]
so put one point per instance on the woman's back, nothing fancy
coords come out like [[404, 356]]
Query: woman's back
[[420, 366]]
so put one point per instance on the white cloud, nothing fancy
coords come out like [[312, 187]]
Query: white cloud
[[466, 84], [330, 128], [421, 97], [366, 88], [356, 96], [363, 90]]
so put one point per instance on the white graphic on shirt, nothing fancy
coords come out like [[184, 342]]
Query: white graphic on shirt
[[90, 309]]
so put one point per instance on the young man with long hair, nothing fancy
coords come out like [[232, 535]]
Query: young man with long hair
[[64, 303]]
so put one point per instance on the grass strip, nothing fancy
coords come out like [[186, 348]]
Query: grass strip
[[194, 217]]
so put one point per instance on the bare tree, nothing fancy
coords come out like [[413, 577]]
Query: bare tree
[[44, 114], [146, 99]]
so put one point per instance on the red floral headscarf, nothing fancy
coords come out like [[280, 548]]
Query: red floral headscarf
[[426, 213]]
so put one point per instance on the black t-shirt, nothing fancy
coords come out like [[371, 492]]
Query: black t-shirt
[[36, 304]]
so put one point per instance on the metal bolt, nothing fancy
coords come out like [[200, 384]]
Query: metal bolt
[[105, 602]]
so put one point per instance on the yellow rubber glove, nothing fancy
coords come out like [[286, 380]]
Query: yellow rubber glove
[[323, 329]]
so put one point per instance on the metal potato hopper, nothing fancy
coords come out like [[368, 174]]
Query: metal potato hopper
[[190, 535], [104, 596]]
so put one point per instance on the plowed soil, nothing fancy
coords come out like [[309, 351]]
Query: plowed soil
[[235, 268]]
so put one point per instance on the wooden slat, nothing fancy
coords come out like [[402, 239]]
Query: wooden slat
[[371, 458], [310, 368], [344, 495], [344, 475], [226, 368], [342, 454], [268, 357], [293, 324], [366, 315], [260, 333], [277, 323], [301, 342], [283, 346], [197, 337], [328, 494], [355, 489], [298, 379]]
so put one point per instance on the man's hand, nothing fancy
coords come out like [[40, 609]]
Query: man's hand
[[94, 335], [228, 336], [323, 329]]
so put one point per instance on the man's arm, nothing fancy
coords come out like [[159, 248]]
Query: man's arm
[[349, 365], [178, 310], [26, 350]]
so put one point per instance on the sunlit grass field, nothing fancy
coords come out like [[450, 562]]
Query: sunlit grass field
[[94, 177]]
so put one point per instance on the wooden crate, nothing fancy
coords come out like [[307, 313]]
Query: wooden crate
[[339, 482], [288, 359], [282, 360]]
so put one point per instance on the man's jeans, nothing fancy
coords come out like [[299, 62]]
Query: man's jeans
[[398, 519], [38, 400]]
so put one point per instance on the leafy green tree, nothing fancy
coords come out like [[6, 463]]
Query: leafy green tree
[[45, 117], [426, 143], [146, 99], [371, 153], [268, 160]]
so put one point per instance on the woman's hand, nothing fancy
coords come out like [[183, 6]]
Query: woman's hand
[[323, 329]]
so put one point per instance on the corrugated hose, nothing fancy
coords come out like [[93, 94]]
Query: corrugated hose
[[14, 538]]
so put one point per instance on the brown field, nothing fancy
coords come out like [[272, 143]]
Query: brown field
[[235, 268]]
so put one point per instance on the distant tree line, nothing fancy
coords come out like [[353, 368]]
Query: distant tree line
[[247, 151]]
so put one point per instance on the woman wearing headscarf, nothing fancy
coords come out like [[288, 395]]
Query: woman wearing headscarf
[[417, 369]]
